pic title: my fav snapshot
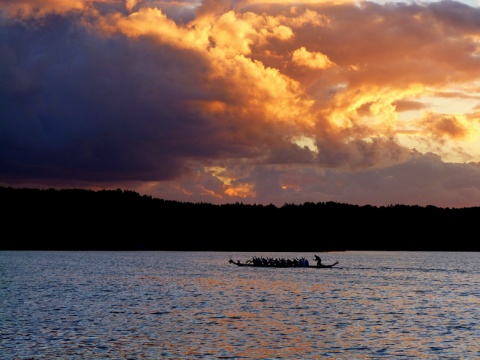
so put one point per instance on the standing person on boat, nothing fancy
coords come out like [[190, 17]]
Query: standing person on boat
[[318, 260]]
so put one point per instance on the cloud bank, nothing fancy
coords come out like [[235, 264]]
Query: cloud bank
[[244, 101]]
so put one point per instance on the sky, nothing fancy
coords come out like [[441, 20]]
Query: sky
[[249, 101]]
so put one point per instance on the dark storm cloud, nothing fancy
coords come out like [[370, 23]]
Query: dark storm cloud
[[77, 104]]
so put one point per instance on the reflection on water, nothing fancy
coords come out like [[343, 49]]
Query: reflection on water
[[80, 305]]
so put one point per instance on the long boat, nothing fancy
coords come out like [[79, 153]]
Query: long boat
[[321, 266]]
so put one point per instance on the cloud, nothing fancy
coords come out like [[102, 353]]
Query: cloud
[[259, 102], [445, 126], [21, 9], [315, 60], [130, 4]]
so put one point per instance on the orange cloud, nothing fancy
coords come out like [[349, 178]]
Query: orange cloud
[[29, 8], [315, 60], [407, 105], [445, 126], [130, 4], [150, 22]]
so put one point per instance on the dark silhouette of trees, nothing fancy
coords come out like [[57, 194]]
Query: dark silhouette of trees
[[77, 219]]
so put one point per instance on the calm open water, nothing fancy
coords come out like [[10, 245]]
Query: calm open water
[[195, 305]]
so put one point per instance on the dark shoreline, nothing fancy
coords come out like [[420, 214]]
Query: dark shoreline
[[76, 219]]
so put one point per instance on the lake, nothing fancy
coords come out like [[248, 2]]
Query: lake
[[195, 305]]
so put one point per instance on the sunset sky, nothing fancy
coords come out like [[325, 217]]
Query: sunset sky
[[255, 101]]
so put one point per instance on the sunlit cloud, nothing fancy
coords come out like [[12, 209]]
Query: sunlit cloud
[[315, 60], [446, 126], [252, 101], [38, 8]]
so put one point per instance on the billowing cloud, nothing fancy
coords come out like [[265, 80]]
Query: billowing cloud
[[253, 101], [317, 60]]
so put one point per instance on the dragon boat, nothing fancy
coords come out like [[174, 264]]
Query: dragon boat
[[321, 266]]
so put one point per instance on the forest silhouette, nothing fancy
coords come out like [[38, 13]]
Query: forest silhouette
[[78, 219]]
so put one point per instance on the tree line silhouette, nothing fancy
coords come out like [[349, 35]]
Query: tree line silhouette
[[78, 219]]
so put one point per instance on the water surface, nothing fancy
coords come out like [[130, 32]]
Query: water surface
[[139, 305]]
